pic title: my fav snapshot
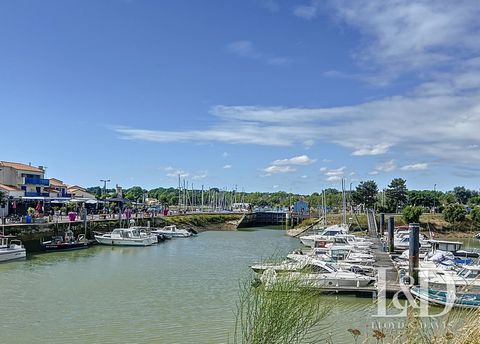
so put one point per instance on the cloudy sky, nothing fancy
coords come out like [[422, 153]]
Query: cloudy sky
[[263, 94]]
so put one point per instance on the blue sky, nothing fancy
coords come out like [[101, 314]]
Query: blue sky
[[263, 94]]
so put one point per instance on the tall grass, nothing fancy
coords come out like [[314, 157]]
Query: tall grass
[[458, 327], [284, 313]]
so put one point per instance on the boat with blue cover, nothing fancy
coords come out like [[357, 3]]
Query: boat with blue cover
[[444, 298]]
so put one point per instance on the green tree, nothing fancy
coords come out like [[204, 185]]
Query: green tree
[[396, 194], [462, 195], [366, 193], [475, 215], [411, 214], [475, 200], [134, 193], [454, 213]]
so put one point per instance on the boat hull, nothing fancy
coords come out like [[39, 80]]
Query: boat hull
[[65, 247], [438, 297], [12, 254], [125, 242]]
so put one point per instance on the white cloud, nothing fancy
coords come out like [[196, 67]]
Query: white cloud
[[247, 49], [309, 143], [296, 160], [334, 179], [415, 167], [200, 175], [372, 150], [304, 176], [227, 166], [270, 5], [225, 154], [403, 36], [176, 172], [244, 49], [276, 186], [305, 11], [322, 169], [436, 120], [278, 169], [336, 172], [373, 173], [387, 166]]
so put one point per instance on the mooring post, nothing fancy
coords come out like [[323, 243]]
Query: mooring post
[[391, 229], [382, 224], [414, 252]]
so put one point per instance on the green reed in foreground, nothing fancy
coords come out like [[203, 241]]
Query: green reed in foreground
[[285, 312]]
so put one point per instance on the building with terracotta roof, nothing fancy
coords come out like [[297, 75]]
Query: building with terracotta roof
[[23, 179], [57, 189], [78, 192]]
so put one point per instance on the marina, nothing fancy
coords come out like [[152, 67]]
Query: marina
[[203, 294], [257, 172]]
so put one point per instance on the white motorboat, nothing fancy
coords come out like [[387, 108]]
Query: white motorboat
[[404, 244], [343, 258], [465, 280], [11, 248], [127, 237], [317, 275], [455, 247], [172, 232], [327, 234]]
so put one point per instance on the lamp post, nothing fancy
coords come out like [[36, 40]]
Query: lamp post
[[434, 197], [105, 181]]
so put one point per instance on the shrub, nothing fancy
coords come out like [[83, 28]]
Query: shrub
[[454, 213], [412, 213], [475, 215]]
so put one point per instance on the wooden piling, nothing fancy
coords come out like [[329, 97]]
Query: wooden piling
[[391, 229], [414, 252]]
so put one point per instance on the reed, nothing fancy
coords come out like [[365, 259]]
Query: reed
[[285, 312], [458, 327]]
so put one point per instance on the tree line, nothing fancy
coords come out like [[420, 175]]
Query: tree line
[[392, 199]]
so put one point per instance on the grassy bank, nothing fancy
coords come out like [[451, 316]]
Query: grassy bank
[[203, 222]]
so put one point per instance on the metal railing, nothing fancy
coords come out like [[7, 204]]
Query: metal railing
[[37, 181]]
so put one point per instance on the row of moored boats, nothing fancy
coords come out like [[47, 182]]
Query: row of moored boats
[[336, 260], [12, 248]]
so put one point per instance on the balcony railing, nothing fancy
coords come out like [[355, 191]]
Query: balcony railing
[[37, 194], [37, 181]]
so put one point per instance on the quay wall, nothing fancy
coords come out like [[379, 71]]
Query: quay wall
[[257, 219], [32, 234]]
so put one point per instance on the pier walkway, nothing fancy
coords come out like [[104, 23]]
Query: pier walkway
[[383, 261]]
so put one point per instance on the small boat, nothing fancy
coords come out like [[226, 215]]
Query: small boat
[[172, 232], [465, 280], [327, 234], [11, 248], [404, 243], [454, 247], [318, 275], [147, 230], [127, 237], [444, 298], [67, 242]]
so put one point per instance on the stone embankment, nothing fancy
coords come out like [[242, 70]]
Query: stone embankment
[[32, 234]]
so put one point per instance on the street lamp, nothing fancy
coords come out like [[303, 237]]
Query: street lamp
[[105, 181], [434, 196]]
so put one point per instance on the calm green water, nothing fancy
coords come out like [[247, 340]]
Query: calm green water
[[181, 291]]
